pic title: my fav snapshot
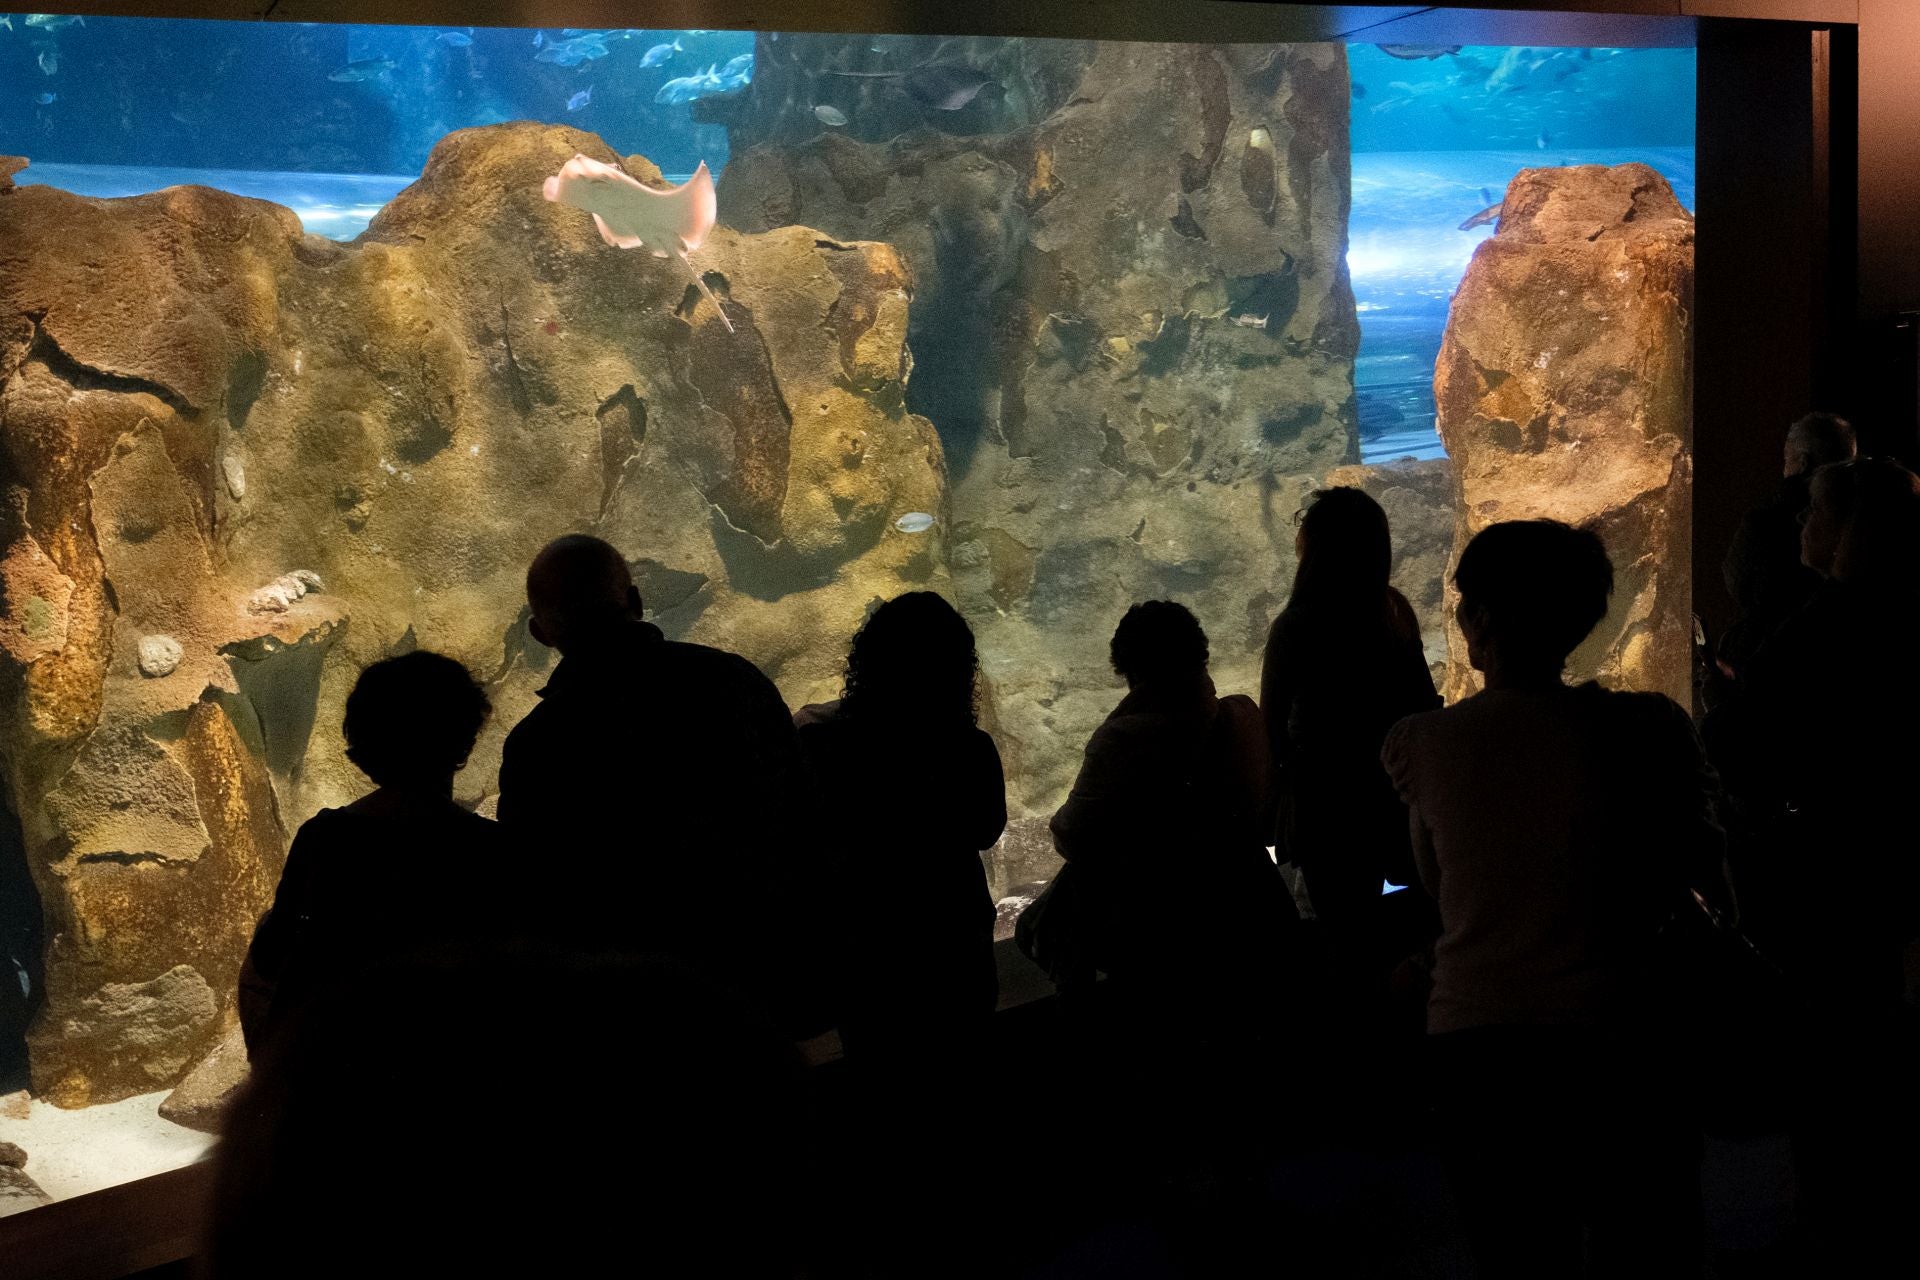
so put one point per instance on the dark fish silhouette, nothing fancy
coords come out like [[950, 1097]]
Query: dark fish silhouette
[[938, 86], [1359, 90], [362, 69], [1485, 216], [1419, 52]]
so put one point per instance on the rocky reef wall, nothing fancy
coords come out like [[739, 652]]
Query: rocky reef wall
[[1132, 326], [239, 463], [1565, 390]]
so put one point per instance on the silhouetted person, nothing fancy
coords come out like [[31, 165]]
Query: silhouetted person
[[1559, 828], [1164, 832], [1343, 663], [1762, 571], [913, 792], [1822, 752], [401, 869], [1819, 748], [658, 1129], [1165, 819], [910, 791], [657, 784]]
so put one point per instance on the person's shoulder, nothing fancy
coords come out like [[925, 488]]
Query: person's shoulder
[[1409, 730], [479, 823], [480, 833], [325, 824], [1286, 622], [1122, 725], [1638, 713], [1238, 704], [1640, 704], [716, 663], [815, 716], [544, 710]]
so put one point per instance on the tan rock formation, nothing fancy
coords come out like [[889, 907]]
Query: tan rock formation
[[18, 1191], [1565, 391], [1132, 326], [292, 457], [201, 1100]]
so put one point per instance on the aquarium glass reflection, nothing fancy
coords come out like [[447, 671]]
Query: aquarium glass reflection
[[1046, 326]]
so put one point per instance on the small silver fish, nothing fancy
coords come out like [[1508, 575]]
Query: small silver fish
[[832, 117], [362, 69], [6, 21], [659, 54], [580, 99], [1247, 320], [47, 99], [1418, 52], [914, 522], [456, 39], [1544, 140], [55, 21], [1488, 215], [49, 61]]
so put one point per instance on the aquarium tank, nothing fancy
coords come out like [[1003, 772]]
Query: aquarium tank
[[311, 335]]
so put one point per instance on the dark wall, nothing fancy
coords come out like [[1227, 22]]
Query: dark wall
[[1889, 246], [1763, 282]]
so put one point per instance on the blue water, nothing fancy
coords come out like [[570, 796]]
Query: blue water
[[1435, 141], [1407, 257], [336, 205], [331, 121], [262, 96], [1492, 98]]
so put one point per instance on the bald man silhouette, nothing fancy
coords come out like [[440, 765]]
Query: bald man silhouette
[[657, 782]]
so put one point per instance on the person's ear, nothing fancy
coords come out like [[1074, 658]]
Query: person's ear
[[539, 632], [634, 602]]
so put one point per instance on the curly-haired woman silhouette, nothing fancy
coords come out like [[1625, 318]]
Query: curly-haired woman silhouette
[[918, 792]]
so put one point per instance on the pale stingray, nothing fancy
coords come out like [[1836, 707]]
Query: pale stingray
[[668, 224]]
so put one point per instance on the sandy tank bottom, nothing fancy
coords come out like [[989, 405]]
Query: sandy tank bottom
[[71, 1153]]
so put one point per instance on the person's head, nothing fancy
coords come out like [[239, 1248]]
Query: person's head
[[1344, 546], [1818, 440], [914, 657], [1530, 592], [579, 588], [412, 720], [1159, 643], [1863, 523]]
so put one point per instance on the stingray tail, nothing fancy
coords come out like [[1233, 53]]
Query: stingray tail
[[701, 285]]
